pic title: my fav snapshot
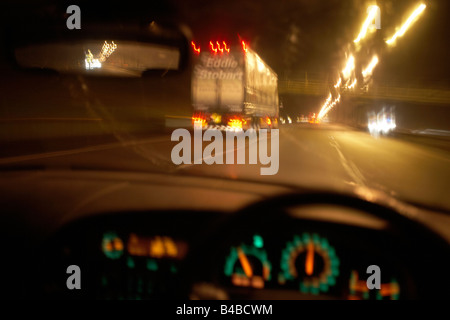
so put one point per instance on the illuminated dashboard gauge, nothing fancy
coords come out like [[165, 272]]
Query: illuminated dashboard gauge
[[360, 291], [248, 266], [310, 261], [112, 245], [157, 247]]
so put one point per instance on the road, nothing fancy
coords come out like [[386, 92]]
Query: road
[[327, 156]]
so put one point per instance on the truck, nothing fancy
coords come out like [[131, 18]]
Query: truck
[[233, 88]]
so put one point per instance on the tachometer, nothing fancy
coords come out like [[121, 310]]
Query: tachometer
[[311, 262]]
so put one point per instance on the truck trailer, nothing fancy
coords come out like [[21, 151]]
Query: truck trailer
[[233, 88]]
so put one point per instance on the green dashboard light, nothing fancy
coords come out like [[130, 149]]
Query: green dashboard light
[[324, 244], [331, 280], [297, 241], [303, 288], [366, 295], [130, 263], [316, 238], [324, 287], [306, 238], [258, 241], [152, 265]]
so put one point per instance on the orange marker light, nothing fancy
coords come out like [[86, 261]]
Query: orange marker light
[[212, 47], [218, 47], [225, 47], [245, 263], [195, 48], [244, 46]]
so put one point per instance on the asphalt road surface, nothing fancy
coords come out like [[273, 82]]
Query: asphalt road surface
[[326, 156]]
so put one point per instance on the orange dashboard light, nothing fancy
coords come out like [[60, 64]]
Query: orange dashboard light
[[257, 282], [266, 272], [171, 247], [389, 289], [118, 244], [135, 246], [157, 249], [242, 281], [237, 280], [108, 246]]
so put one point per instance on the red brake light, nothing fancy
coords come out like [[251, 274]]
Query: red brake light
[[199, 119]]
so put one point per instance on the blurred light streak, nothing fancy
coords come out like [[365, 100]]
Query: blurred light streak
[[338, 84], [353, 84], [349, 67], [412, 18], [107, 50], [383, 122], [367, 23], [328, 105], [369, 69]]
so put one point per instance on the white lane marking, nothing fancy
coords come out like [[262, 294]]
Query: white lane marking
[[351, 169]]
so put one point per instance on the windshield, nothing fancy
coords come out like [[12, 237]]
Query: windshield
[[327, 95]]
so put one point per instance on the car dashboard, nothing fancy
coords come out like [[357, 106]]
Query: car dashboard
[[306, 252], [222, 243]]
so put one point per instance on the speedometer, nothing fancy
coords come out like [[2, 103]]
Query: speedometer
[[310, 262]]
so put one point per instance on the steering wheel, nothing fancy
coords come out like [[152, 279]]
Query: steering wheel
[[427, 253]]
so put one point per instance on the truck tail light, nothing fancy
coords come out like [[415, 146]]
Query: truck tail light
[[235, 123], [199, 119]]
